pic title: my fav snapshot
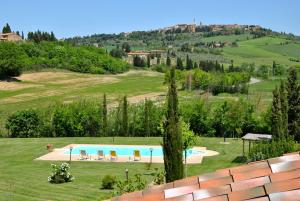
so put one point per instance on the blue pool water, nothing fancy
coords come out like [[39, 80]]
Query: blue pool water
[[125, 151]]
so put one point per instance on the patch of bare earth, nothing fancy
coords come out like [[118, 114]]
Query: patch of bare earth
[[140, 98], [15, 85], [141, 73], [88, 80], [42, 76]]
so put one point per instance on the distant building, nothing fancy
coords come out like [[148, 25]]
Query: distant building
[[10, 37], [152, 55]]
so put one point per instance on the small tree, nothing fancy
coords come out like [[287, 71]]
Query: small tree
[[147, 109], [284, 109], [188, 140], [125, 116], [104, 115], [276, 127]]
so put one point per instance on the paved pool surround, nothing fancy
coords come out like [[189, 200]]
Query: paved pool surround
[[61, 154]]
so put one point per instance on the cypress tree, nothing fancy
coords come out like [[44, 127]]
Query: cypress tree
[[293, 97], [104, 115], [172, 138], [6, 29], [22, 35], [276, 128], [284, 109], [125, 117], [179, 64], [168, 61], [147, 117]]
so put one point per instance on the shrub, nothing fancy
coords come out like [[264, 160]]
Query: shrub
[[129, 186], [108, 182], [264, 150], [60, 174], [24, 123], [159, 176]]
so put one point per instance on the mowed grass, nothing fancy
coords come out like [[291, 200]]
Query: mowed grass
[[40, 89], [23, 178]]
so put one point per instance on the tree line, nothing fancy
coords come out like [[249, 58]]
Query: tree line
[[15, 57]]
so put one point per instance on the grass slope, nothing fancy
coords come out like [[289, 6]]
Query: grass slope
[[40, 89], [23, 178]]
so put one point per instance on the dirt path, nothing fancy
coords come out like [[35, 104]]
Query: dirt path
[[139, 98], [254, 80]]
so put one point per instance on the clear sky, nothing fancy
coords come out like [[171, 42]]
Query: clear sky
[[69, 18]]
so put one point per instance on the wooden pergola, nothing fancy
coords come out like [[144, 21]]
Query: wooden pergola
[[254, 137]]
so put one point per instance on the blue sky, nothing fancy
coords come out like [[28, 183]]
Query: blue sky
[[69, 18]]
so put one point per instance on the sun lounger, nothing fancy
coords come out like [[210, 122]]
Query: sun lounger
[[113, 155], [83, 155], [136, 155], [101, 155]]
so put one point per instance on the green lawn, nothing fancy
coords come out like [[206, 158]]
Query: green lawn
[[23, 178]]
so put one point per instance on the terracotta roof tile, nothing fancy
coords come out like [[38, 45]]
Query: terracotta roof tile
[[282, 186], [158, 188], [260, 199], [153, 196], [247, 194], [129, 196], [217, 198], [254, 173], [286, 196], [211, 192], [186, 181], [286, 158], [188, 197], [250, 183], [249, 167], [292, 153], [174, 192], [285, 166], [214, 175], [281, 176], [216, 182]]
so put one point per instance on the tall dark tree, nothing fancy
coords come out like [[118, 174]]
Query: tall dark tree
[[172, 138], [22, 35], [179, 64], [148, 61], [125, 117], [104, 115], [6, 29], [147, 109], [284, 109], [293, 96], [168, 61], [273, 68], [276, 127]]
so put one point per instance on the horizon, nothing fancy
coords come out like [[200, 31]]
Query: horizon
[[70, 19]]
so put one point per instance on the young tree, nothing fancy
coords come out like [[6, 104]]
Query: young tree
[[293, 96], [188, 140], [104, 115], [126, 47], [125, 117], [276, 127], [147, 109], [172, 138], [284, 109]]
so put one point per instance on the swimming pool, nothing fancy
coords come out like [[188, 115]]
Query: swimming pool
[[123, 150]]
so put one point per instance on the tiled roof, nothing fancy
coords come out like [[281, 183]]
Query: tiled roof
[[276, 179]]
